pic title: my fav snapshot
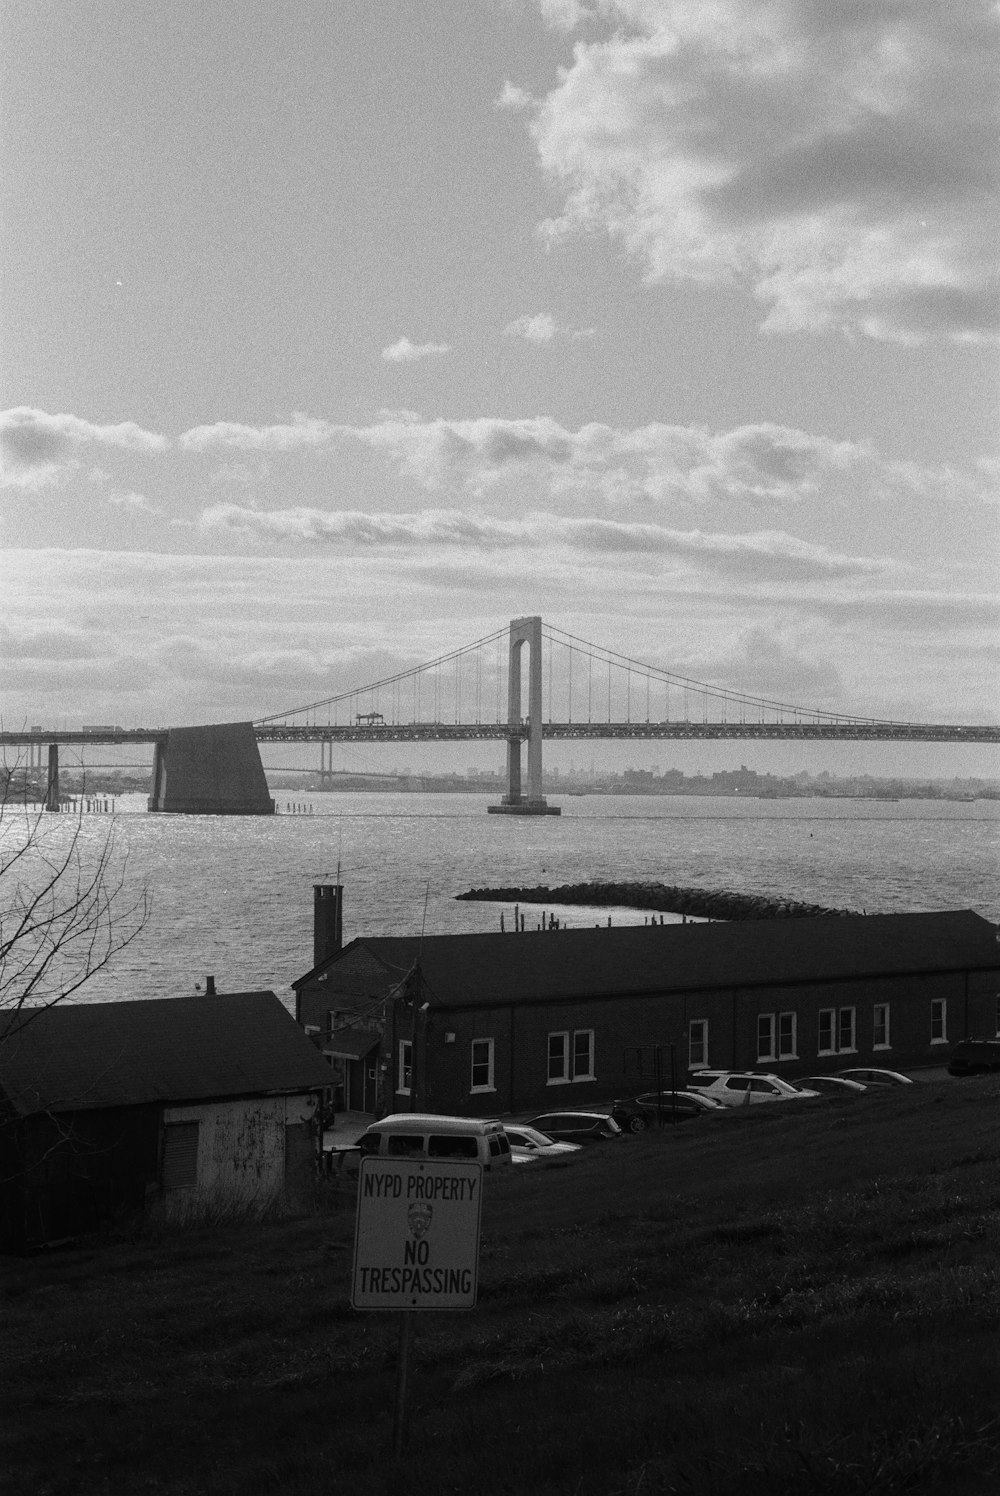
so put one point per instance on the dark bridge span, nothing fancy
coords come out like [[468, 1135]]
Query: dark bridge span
[[444, 732]]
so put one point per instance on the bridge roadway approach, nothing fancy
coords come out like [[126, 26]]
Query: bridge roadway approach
[[214, 770]]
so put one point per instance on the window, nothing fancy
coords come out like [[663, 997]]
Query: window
[[405, 1074], [402, 1144], [880, 1026], [583, 1054], [845, 1030], [180, 1155], [786, 1036], [997, 1024], [482, 1065], [939, 1021], [738, 1083], [826, 1045], [568, 1061], [697, 1042], [449, 1146], [765, 1036]]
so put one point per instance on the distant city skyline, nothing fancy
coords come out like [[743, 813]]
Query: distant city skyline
[[336, 336]]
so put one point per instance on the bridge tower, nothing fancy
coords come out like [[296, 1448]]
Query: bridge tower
[[524, 631]]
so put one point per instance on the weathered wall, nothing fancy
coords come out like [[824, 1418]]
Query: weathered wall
[[243, 1148]]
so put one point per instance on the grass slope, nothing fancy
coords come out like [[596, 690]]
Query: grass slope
[[776, 1300]]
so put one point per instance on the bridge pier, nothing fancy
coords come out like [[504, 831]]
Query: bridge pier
[[515, 802], [210, 771], [52, 783]]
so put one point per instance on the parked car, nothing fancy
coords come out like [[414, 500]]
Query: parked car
[[742, 1087], [664, 1106], [869, 1077], [527, 1142], [831, 1085], [974, 1057], [577, 1127], [427, 1135]]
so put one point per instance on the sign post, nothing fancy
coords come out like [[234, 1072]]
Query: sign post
[[416, 1245]]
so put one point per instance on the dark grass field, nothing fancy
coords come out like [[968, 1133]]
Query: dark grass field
[[788, 1299]]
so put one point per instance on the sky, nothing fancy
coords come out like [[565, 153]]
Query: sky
[[336, 333]]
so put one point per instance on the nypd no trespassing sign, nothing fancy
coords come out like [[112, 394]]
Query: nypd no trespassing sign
[[416, 1241]]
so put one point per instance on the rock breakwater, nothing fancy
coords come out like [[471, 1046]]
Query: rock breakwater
[[701, 903]]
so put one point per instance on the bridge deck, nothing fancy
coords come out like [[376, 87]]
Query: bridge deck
[[444, 732], [415, 732]]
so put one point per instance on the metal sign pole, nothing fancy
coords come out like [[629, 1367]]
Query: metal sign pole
[[402, 1381]]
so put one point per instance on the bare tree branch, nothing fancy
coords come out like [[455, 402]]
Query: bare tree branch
[[67, 906]]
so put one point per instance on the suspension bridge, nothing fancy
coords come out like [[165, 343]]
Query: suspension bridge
[[571, 689]]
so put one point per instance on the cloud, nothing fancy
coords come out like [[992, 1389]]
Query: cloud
[[44, 644], [542, 328], [301, 434], [761, 465], [473, 452], [779, 663], [538, 329], [405, 352], [133, 503], [564, 15], [179, 638], [513, 98], [35, 446], [837, 158], [762, 556]]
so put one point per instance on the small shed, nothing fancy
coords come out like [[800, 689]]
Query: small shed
[[179, 1108]]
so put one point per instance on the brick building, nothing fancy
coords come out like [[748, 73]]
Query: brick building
[[498, 1023]]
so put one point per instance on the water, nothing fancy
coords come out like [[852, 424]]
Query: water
[[232, 896]]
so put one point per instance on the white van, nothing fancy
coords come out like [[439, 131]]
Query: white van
[[422, 1135]]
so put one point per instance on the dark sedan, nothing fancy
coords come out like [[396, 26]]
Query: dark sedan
[[870, 1077], [577, 1127], [664, 1106]]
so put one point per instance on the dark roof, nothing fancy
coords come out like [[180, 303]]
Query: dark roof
[[352, 1043], [554, 965], [82, 1056]]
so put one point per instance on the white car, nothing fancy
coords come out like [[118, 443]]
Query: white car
[[527, 1143], [745, 1087]]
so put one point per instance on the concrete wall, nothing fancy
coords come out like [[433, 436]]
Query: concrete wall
[[252, 1155], [212, 770]]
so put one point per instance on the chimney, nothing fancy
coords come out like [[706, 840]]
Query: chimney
[[328, 920], [209, 986]]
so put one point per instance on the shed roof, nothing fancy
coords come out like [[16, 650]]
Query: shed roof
[[556, 965], [352, 1043], [84, 1056]]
